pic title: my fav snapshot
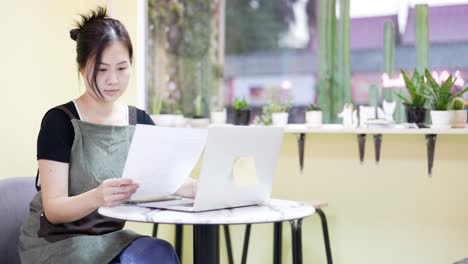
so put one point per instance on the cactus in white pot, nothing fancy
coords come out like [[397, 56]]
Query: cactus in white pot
[[458, 115]]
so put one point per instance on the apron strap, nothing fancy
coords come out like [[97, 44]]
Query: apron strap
[[68, 112], [132, 115], [72, 116], [38, 185]]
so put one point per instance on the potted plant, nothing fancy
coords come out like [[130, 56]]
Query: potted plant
[[241, 112], [158, 118], [279, 113], [264, 119], [313, 116], [415, 103], [178, 119], [458, 115], [218, 112], [199, 120], [165, 114], [440, 97]]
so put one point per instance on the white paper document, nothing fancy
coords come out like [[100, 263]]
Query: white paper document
[[160, 159]]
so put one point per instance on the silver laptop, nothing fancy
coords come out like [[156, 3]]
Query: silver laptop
[[237, 169]]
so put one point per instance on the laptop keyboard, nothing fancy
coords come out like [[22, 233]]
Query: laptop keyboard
[[186, 205]]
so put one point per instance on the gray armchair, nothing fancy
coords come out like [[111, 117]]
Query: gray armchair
[[15, 195]]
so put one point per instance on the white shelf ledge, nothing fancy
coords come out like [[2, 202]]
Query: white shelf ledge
[[398, 129]]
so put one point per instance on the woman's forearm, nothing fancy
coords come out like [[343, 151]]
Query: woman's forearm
[[69, 209], [111, 192]]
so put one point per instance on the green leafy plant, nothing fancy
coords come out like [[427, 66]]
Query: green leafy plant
[[458, 103], [416, 87], [269, 109], [440, 96], [240, 104], [277, 107], [313, 107], [264, 118]]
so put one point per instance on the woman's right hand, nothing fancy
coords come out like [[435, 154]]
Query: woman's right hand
[[115, 191]]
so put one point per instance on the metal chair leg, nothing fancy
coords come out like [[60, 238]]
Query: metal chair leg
[[326, 238], [178, 241], [155, 230], [227, 236], [246, 243], [277, 241], [293, 241], [299, 241]]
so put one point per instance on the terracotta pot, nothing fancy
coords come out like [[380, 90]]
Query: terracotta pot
[[458, 118]]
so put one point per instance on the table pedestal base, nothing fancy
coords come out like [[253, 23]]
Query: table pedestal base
[[207, 238]]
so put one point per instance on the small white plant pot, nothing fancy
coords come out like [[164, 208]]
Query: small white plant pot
[[458, 118], [179, 121], [279, 119], [218, 117], [440, 119], [199, 122], [163, 120], [313, 118]]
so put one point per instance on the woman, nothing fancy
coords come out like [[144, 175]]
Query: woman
[[81, 150]]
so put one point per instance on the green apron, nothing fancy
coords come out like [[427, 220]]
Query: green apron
[[98, 153]]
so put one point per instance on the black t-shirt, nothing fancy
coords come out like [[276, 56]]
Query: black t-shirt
[[56, 136]]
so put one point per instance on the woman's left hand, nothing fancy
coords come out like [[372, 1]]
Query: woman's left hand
[[188, 189]]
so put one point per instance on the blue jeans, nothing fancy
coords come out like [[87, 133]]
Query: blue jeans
[[147, 250]]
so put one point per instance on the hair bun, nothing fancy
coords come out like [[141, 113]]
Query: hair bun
[[74, 33]]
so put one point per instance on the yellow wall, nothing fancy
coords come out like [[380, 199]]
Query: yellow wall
[[381, 213], [386, 213], [38, 71]]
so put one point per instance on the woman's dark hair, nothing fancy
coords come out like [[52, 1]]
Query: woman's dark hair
[[93, 34]]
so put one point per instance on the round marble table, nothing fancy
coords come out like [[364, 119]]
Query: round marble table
[[206, 224]]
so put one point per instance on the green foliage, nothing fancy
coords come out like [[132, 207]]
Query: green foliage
[[278, 107], [389, 48], [343, 66], [264, 118], [416, 88], [198, 104], [156, 105], [240, 104], [313, 107], [458, 103], [163, 13], [440, 96], [373, 95], [421, 36], [180, 32], [332, 79], [170, 108], [270, 108], [218, 71], [256, 28], [389, 58]]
